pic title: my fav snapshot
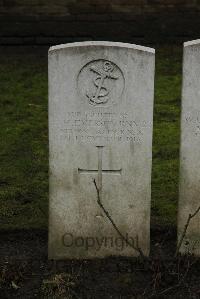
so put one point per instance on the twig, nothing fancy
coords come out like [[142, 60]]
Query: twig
[[137, 248], [167, 290], [185, 230], [179, 284]]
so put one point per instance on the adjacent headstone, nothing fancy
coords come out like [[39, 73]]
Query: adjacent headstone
[[100, 132], [189, 195]]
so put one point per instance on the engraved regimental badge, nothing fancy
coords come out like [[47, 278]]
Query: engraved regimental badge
[[101, 83]]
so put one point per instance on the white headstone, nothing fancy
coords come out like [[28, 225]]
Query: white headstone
[[189, 195], [100, 127]]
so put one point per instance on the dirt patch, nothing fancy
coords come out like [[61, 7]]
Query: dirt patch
[[27, 273]]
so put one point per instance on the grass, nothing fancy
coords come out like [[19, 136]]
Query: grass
[[24, 139], [166, 135], [23, 143]]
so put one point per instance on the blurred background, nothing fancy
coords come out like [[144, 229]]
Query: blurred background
[[42, 22]]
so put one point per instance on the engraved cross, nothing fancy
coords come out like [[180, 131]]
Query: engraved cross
[[100, 171]]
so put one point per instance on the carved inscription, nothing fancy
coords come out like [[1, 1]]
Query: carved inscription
[[101, 83], [103, 127], [100, 170]]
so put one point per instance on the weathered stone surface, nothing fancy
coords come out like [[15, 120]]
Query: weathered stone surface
[[100, 127], [189, 199]]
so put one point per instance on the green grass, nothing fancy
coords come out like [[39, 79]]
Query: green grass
[[23, 143], [166, 135], [24, 140]]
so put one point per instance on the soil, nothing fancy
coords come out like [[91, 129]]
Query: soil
[[25, 269]]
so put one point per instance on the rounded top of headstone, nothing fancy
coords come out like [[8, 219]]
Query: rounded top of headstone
[[102, 44], [192, 43]]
